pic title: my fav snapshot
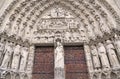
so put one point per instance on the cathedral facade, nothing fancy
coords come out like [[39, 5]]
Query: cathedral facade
[[59, 39]]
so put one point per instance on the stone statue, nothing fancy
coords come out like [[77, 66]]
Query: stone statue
[[24, 55], [95, 57], [8, 53], [59, 55], [2, 47], [16, 57], [68, 35], [103, 56], [112, 55], [59, 61], [90, 32], [117, 44]]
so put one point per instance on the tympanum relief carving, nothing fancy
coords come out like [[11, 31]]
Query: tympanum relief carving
[[59, 18]]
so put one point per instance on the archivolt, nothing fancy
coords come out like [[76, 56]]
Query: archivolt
[[26, 14]]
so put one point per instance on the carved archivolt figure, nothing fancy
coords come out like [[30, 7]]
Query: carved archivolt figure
[[8, 52], [103, 56], [95, 57], [90, 32], [24, 55], [112, 55], [59, 55], [16, 57]]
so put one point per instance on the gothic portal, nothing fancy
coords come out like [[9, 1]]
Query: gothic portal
[[59, 39]]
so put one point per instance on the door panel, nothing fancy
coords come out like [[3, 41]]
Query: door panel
[[43, 67], [75, 63]]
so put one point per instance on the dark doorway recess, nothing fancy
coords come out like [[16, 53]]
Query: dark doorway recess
[[75, 63], [43, 67]]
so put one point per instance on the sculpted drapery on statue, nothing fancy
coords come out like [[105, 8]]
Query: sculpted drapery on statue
[[59, 60], [112, 54], [16, 57], [59, 55], [24, 55], [117, 44], [103, 56], [2, 47], [8, 53], [95, 57]]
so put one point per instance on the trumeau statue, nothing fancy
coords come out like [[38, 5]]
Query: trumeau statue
[[16, 57], [8, 52], [112, 55], [103, 56], [59, 55], [95, 57], [24, 55]]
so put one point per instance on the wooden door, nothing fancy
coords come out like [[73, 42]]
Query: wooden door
[[43, 67], [75, 63]]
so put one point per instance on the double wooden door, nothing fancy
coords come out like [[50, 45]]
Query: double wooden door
[[75, 63]]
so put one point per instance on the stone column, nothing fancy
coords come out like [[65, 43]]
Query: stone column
[[88, 59], [59, 68]]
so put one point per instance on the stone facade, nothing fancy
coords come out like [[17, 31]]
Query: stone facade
[[27, 23]]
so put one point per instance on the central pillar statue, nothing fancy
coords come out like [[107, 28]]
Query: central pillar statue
[[59, 68]]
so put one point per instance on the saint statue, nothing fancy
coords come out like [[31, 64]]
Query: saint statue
[[102, 53], [59, 55], [16, 57], [117, 44], [2, 47], [95, 57], [8, 53], [24, 55], [59, 60], [112, 55]]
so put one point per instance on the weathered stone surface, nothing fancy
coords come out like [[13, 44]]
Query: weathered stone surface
[[27, 23]]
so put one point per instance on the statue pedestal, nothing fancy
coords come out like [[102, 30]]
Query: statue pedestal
[[59, 73]]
